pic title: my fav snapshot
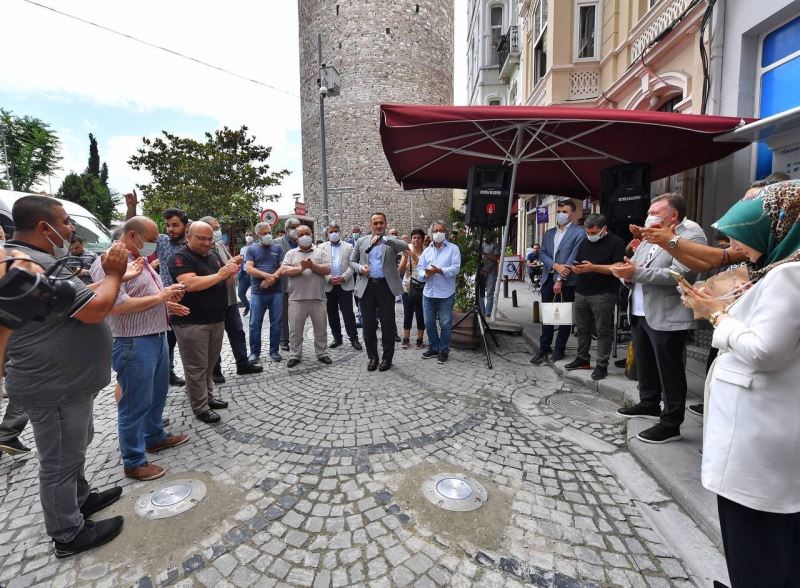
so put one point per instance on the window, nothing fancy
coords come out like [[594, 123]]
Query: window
[[539, 61], [779, 72], [495, 32], [587, 25], [495, 102]]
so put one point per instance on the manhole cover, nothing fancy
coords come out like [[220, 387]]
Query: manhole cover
[[170, 498], [454, 492], [585, 407]]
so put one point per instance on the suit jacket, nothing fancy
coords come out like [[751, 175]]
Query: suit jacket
[[567, 250], [344, 265], [286, 246], [230, 283], [663, 308], [392, 247]]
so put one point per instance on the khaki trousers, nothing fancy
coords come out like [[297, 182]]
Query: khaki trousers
[[299, 311], [200, 346]]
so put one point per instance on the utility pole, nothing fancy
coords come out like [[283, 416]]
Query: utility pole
[[328, 86], [6, 163]]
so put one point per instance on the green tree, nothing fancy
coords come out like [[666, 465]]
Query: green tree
[[225, 174], [104, 175], [94, 157], [88, 191], [34, 151]]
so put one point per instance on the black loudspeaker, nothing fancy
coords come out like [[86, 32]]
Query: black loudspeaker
[[625, 197], [488, 188]]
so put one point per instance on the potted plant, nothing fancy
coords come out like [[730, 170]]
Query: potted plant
[[466, 334]]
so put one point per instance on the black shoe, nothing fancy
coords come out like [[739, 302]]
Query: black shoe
[[557, 355], [165, 422], [639, 411], [14, 447], [97, 501], [94, 534], [246, 311], [539, 357], [325, 359], [356, 345], [174, 380], [275, 356], [443, 356], [620, 363], [292, 362], [248, 368], [578, 364], [218, 378], [385, 365], [696, 409], [209, 416], [358, 325], [284, 347], [217, 404], [599, 372], [372, 365], [336, 343], [429, 354], [659, 433], [397, 338]]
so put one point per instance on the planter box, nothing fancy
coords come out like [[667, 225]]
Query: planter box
[[466, 335]]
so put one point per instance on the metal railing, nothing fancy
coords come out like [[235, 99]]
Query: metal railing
[[508, 45]]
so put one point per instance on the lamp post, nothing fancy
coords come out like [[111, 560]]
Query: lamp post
[[328, 86]]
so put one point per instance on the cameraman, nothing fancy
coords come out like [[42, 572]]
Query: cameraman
[[50, 376]]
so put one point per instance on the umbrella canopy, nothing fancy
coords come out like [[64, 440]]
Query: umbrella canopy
[[558, 150]]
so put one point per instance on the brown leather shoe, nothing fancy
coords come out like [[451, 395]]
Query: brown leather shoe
[[145, 472], [169, 441]]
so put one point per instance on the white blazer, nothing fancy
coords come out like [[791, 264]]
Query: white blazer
[[751, 447]]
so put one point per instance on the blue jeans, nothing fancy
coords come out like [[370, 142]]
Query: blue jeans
[[259, 303], [142, 366], [486, 297], [242, 288], [443, 307]]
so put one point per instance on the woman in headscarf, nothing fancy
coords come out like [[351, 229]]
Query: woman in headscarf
[[751, 446]]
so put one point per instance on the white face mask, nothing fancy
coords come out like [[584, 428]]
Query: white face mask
[[147, 249], [597, 237], [305, 241], [334, 237], [266, 239], [248, 239], [439, 237], [292, 233], [216, 236], [651, 220], [59, 251], [2, 242], [562, 218]]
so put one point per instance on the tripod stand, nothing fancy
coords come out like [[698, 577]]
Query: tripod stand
[[476, 311]]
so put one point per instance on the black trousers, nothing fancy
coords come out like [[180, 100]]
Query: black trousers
[[235, 332], [546, 338], [378, 298], [171, 343], [762, 549], [340, 299], [661, 366]]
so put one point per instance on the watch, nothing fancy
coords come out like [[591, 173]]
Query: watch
[[673, 243], [714, 317]]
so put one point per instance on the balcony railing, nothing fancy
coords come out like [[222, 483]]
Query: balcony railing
[[508, 51]]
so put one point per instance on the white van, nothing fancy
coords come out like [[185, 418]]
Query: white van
[[95, 236]]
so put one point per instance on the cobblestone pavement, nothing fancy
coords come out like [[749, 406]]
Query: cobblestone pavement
[[313, 480]]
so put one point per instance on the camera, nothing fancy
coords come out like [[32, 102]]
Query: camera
[[27, 296]]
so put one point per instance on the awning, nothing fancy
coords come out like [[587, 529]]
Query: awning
[[766, 128], [559, 150]]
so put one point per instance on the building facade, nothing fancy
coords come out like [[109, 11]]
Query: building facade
[[385, 52]]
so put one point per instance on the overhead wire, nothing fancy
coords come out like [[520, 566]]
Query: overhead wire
[[168, 50]]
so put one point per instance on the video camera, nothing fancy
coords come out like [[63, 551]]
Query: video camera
[[27, 296]]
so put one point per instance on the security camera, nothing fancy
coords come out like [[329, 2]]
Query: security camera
[[323, 91]]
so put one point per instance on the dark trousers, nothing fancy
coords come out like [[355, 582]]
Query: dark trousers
[[661, 366], [235, 332], [594, 313], [285, 321], [378, 298], [546, 339], [411, 310], [171, 343], [14, 421], [340, 299], [242, 288], [762, 549]]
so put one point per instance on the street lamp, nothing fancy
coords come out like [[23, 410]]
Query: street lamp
[[328, 86]]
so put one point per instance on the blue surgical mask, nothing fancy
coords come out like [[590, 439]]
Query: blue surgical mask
[[217, 236], [59, 251], [334, 237], [266, 240], [305, 241], [147, 249], [562, 218], [356, 236]]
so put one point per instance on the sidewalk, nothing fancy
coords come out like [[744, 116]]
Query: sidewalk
[[675, 465]]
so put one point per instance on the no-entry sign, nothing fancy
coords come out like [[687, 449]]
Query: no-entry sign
[[269, 216]]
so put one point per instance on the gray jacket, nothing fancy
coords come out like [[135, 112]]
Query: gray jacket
[[392, 247], [344, 265], [663, 308]]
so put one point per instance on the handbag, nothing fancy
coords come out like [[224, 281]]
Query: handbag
[[415, 286], [556, 313]]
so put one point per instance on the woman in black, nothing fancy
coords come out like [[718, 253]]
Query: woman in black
[[412, 290]]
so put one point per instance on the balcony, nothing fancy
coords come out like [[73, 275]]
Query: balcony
[[508, 51]]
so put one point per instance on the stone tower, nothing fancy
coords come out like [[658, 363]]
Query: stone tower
[[386, 51]]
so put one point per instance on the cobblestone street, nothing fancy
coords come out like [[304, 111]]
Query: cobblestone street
[[314, 479]]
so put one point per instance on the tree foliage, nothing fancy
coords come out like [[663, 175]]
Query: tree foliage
[[90, 189], [34, 150], [225, 174], [94, 157]]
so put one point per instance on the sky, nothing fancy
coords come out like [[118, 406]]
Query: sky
[[81, 79]]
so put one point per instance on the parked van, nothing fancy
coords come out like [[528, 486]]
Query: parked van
[[95, 236]]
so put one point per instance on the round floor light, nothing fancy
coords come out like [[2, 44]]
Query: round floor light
[[170, 498], [454, 492]]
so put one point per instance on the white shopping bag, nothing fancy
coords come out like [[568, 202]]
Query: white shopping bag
[[556, 313]]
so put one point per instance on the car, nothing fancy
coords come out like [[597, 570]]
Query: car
[[87, 226]]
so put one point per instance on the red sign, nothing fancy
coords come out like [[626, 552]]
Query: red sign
[[269, 216], [490, 208], [299, 208]]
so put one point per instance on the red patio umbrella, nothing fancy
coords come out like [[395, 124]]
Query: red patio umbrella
[[551, 149]]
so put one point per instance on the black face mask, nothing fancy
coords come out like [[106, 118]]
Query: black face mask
[[27, 296]]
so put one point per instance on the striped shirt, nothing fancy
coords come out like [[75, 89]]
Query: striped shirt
[[145, 322], [83, 261]]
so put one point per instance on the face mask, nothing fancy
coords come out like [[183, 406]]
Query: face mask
[[266, 240], [59, 251], [594, 238], [292, 233], [562, 218], [651, 220], [147, 249], [334, 237], [439, 237], [2, 242], [216, 236], [248, 239], [356, 236], [305, 241]]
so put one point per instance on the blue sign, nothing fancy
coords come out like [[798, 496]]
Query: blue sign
[[542, 217]]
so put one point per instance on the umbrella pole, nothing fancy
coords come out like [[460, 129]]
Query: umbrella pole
[[504, 244]]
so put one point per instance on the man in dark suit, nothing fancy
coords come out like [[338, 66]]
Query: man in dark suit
[[287, 242], [374, 260], [559, 248]]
